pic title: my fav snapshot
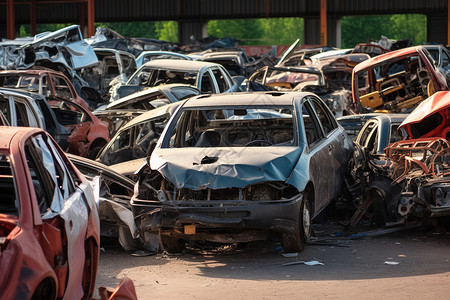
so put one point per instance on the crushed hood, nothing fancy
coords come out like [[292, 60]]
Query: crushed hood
[[217, 168]]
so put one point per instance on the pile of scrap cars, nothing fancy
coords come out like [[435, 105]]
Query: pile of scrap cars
[[179, 151]]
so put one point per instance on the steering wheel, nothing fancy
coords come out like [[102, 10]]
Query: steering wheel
[[255, 142]]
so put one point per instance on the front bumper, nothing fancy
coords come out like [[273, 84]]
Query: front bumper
[[213, 217]]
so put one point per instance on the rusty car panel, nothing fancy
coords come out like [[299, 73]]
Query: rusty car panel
[[48, 223]]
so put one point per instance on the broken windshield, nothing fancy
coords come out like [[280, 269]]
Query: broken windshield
[[233, 127]]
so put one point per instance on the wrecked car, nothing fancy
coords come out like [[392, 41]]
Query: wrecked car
[[128, 149], [242, 167], [116, 118], [430, 119], [65, 46], [234, 60], [75, 128], [20, 108], [147, 56], [88, 133], [50, 84], [306, 79], [49, 222], [207, 77], [396, 81], [354, 123], [112, 65], [115, 191], [410, 180]]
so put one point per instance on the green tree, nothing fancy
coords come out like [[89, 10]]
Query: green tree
[[362, 29], [282, 31], [248, 32], [167, 31]]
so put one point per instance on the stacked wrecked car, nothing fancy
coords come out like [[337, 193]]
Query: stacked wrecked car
[[410, 180]]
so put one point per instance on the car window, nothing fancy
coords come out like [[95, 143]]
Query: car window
[[364, 134], [21, 115], [69, 114], [325, 118], [311, 124], [233, 127], [51, 178], [221, 81], [25, 116], [394, 134], [445, 59], [129, 65], [62, 88], [10, 202], [207, 84], [182, 93]]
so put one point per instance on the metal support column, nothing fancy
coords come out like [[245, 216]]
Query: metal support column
[[323, 22], [10, 20], [91, 18], [33, 19]]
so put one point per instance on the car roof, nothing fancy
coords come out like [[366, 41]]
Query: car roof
[[392, 118], [163, 88], [238, 99], [8, 134], [177, 64], [386, 56]]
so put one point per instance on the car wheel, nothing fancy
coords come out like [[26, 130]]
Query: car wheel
[[296, 242], [126, 239], [45, 290], [379, 208], [92, 153], [172, 244]]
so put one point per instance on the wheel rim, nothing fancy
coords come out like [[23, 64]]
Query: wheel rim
[[306, 220]]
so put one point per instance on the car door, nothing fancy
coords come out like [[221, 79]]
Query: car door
[[328, 158], [318, 156]]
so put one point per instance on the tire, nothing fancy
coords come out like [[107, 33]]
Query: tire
[[127, 241], [302, 233], [92, 153], [172, 244], [379, 208], [45, 290]]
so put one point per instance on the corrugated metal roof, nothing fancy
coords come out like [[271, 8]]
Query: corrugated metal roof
[[154, 10]]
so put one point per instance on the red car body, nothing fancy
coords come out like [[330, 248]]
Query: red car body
[[395, 81], [49, 224], [430, 119]]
